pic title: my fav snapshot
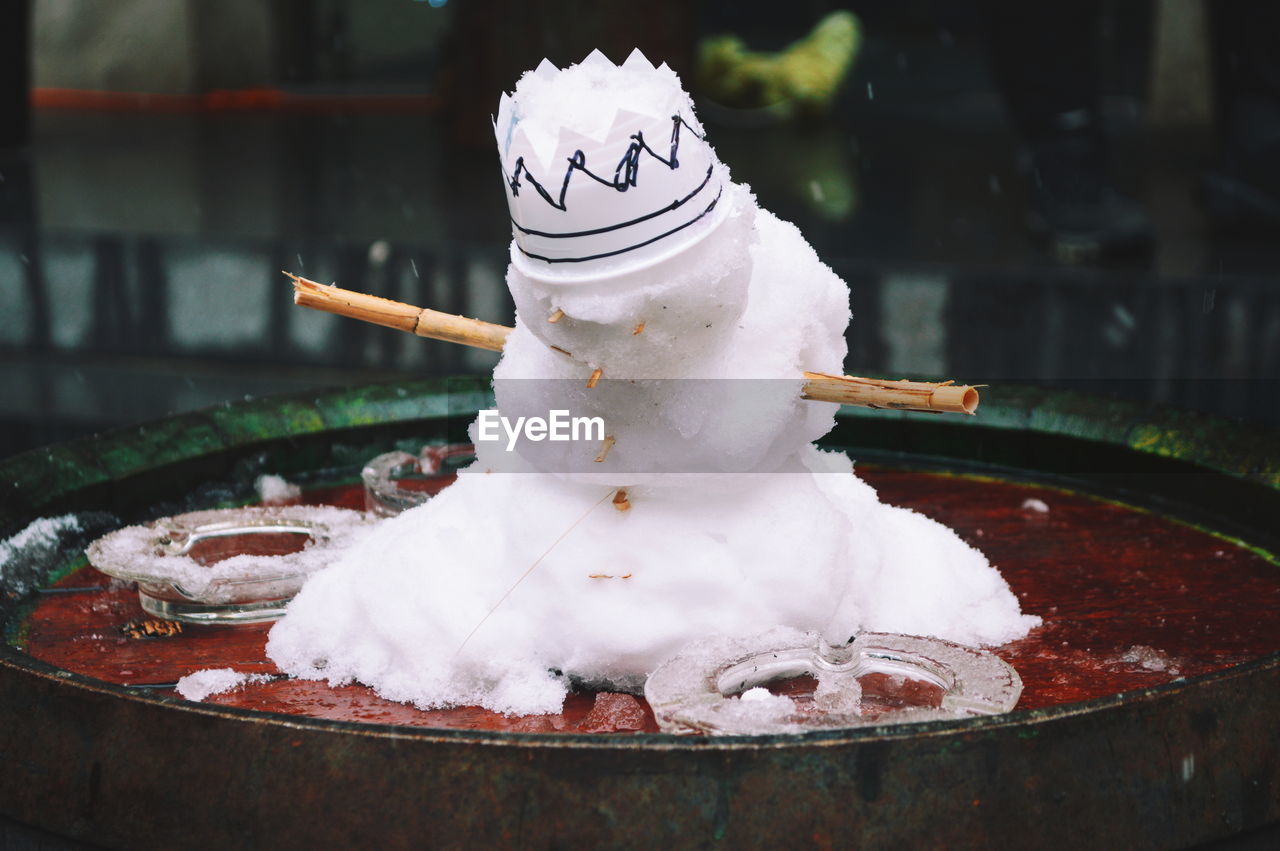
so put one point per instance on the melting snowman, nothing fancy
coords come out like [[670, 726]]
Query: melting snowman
[[654, 296]]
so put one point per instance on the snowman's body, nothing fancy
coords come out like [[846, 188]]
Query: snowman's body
[[522, 575]]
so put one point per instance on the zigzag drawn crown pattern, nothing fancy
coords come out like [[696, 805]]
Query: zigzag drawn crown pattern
[[643, 183]]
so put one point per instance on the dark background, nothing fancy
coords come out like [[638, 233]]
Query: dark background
[[141, 238]]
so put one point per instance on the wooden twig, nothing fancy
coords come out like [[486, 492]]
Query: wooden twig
[[403, 317], [944, 397]]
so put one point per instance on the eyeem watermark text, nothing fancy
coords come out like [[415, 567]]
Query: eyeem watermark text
[[557, 426]]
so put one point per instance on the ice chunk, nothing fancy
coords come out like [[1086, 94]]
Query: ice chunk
[[838, 693], [614, 713], [1035, 506], [1148, 659]]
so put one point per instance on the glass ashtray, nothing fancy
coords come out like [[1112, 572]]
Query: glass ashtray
[[234, 565], [397, 481], [727, 686]]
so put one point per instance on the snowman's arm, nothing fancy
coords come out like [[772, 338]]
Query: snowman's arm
[[944, 397]]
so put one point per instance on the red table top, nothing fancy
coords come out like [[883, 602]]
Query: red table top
[[1109, 581]]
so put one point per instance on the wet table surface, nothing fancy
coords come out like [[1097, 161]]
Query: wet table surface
[[1129, 598]]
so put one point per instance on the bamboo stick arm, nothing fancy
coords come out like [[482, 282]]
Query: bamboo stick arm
[[945, 397], [421, 321]]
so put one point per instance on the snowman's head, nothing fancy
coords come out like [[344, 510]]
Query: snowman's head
[[606, 169]]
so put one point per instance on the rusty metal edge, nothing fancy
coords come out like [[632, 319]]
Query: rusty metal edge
[[1180, 766], [16, 662]]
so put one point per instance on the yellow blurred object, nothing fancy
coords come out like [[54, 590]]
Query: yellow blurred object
[[802, 79]]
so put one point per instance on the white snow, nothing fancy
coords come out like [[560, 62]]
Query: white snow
[[131, 552], [491, 593], [758, 707], [22, 554], [838, 693], [274, 490], [43, 531], [202, 684]]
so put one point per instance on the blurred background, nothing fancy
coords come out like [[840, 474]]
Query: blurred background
[[1077, 195]]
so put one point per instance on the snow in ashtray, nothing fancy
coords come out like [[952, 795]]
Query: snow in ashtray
[[839, 693], [1148, 659], [210, 681], [274, 490], [760, 706], [132, 551], [522, 577], [1037, 506]]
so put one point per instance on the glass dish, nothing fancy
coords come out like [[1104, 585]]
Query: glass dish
[[710, 686], [235, 565], [397, 481]]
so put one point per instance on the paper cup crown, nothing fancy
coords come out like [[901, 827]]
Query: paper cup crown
[[589, 206]]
